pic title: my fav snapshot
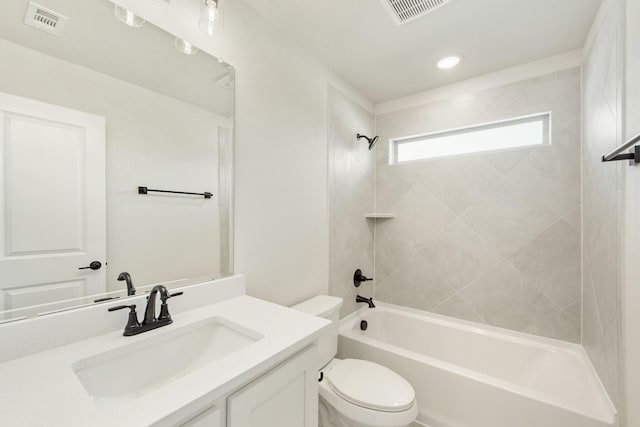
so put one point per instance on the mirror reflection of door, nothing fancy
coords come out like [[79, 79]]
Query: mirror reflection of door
[[52, 203]]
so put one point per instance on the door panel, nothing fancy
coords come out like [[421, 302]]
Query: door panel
[[43, 294], [52, 202], [43, 167]]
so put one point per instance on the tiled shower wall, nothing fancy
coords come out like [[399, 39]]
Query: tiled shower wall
[[495, 237], [602, 191], [350, 197]]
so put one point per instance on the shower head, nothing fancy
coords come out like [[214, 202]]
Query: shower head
[[371, 141]]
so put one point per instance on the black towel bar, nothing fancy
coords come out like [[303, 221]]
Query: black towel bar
[[619, 153], [145, 190]]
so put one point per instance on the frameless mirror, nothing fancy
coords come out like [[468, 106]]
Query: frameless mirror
[[106, 124]]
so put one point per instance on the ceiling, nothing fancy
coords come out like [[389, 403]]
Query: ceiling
[[361, 42], [95, 39]]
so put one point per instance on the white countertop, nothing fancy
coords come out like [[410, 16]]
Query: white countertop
[[43, 390]]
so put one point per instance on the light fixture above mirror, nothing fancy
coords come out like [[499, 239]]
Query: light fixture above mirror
[[210, 21]]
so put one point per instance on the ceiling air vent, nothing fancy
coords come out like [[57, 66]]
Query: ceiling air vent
[[44, 19], [404, 11]]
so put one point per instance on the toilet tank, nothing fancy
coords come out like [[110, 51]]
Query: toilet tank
[[328, 308]]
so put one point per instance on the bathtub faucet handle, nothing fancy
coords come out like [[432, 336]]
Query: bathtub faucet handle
[[358, 278]]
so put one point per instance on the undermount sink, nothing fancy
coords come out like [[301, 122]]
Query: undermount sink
[[148, 364]]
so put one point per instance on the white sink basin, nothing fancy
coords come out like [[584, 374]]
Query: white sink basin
[[146, 365]]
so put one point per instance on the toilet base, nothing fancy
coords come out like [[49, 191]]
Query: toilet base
[[328, 416]]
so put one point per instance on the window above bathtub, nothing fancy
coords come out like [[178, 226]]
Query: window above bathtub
[[519, 132]]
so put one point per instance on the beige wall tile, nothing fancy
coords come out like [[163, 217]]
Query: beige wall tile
[[458, 308], [551, 261], [459, 254], [500, 204], [420, 216], [507, 216], [602, 117], [415, 284], [351, 196], [503, 297], [457, 181], [560, 326]]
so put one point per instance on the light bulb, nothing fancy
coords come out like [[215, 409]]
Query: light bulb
[[185, 47], [127, 17], [209, 15]]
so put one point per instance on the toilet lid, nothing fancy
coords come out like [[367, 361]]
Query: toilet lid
[[370, 385]]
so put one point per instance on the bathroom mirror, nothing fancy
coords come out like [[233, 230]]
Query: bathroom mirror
[[98, 110]]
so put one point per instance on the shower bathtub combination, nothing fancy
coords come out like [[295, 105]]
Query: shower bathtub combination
[[470, 375]]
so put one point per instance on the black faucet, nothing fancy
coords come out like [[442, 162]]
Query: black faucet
[[150, 311], [127, 277], [369, 301], [150, 322]]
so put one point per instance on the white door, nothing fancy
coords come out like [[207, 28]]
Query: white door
[[52, 203], [287, 396]]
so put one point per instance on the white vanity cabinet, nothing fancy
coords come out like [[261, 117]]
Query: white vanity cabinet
[[236, 362], [211, 417], [285, 396]]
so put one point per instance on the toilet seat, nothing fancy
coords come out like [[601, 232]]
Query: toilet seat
[[371, 386], [361, 414]]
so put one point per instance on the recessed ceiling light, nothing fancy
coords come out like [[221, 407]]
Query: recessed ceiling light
[[448, 62]]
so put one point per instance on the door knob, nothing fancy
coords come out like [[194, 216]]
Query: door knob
[[95, 265]]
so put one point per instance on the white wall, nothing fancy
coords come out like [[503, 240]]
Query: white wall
[[281, 234], [156, 239], [630, 294]]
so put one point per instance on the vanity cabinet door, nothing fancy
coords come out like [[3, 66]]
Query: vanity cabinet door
[[286, 396], [208, 418]]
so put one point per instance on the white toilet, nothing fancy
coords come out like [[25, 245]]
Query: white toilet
[[356, 393]]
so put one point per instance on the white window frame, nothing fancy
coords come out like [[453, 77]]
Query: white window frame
[[545, 116]]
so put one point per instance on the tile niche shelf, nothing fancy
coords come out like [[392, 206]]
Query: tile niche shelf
[[378, 215]]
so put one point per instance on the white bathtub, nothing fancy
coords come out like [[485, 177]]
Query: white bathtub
[[469, 375]]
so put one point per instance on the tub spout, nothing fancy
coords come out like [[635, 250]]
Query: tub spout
[[369, 301]]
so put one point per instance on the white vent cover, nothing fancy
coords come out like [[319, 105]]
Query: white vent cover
[[44, 19], [404, 11]]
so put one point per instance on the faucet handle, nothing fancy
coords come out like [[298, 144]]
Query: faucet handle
[[164, 298], [132, 321], [164, 308], [358, 278], [122, 307]]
